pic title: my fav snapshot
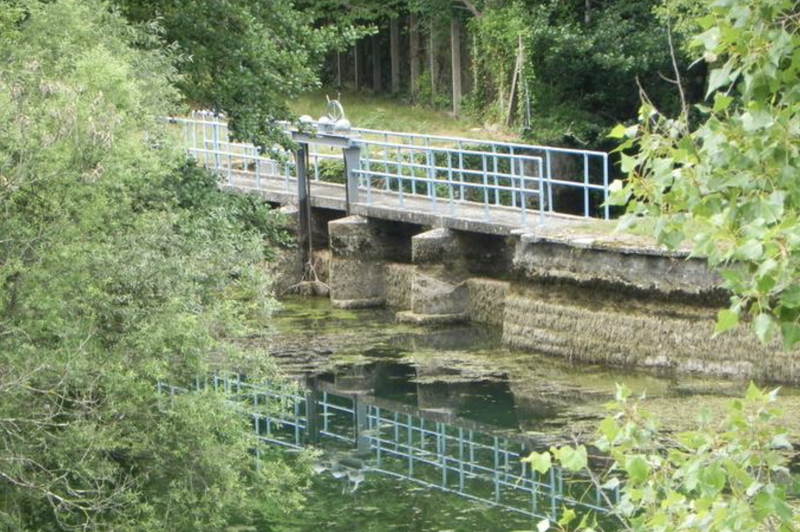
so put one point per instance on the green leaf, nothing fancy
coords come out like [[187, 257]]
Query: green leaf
[[628, 163], [750, 250], [791, 296], [540, 462], [719, 77], [609, 429], [567, 517], [637, 468], [712, 479], [726, 320], [770, 502], [571, 458], [782, 442], [721, 102], [754, 393], [618, 132], [790, 334], [622, 392], [764, 326]]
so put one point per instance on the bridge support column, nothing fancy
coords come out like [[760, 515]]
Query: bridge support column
[[439, 293], [351, 164], [287, 267], [357, 277]]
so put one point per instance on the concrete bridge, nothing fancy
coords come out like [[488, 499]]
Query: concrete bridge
[[510, 235]]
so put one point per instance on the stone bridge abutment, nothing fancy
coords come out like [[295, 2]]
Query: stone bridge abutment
[[584, 298]]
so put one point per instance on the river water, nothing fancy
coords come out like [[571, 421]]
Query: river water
[[421, 429]]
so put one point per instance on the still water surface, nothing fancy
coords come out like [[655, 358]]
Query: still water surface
[[463, 406]]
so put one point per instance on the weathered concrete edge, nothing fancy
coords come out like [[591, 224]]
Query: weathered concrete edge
[[599, 244]]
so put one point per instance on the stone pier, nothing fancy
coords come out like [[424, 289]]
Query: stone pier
[[360, 249], [439, 293]]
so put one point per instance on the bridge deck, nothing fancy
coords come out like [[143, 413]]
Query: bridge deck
[[415, 209]]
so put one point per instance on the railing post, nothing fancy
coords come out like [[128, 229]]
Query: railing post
[[303, 205], [312, 417], [352, 162], [215, 132], [605, 187], [363, 444]]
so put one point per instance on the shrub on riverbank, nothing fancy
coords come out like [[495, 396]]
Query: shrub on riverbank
[[728, 474], [119, 266]]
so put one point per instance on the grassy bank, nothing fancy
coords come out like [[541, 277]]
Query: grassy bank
[[396, 114]]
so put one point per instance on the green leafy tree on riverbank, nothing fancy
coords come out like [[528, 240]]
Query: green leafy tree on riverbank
[[729, 183], [730, 474], [120, 265], [242, 57]]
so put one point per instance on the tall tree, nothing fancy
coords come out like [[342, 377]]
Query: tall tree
[[120, 266], [243, 57]]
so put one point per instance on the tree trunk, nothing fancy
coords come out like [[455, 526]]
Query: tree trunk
[[338, 69], [356, 65], [376, 64], [413, 45], [394, 46], [473, 63], [455, 48], [433, 67]]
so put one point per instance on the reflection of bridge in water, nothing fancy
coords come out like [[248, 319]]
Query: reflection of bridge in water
[[396, 440]]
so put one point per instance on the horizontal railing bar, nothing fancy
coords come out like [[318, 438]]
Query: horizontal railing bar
[[448, 170], [413, 148], [465, 184], [544, 180], [463, 140], [458, 492]]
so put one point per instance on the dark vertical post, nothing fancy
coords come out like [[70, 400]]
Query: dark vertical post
[[363, 446], [351, 165], [303, 205], [413, 52], [433, 67], [312, 417], [473, 61], [338, 69], [394, 47], [376, 63], [356, 67], [455, 48]]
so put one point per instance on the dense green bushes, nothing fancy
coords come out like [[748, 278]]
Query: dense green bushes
[[119, 266], [581, 67], [729, 474]]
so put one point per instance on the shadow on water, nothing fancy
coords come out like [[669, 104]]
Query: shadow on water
[[423, 429]]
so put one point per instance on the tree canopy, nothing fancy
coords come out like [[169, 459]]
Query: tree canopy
[[242, 57]]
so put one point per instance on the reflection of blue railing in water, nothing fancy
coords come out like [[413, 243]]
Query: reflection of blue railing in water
[[443, 456]]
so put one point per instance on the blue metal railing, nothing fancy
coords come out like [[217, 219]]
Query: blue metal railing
[[465, 175]]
